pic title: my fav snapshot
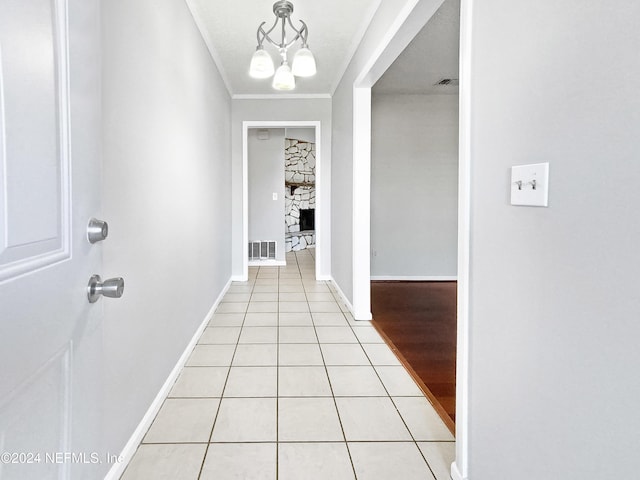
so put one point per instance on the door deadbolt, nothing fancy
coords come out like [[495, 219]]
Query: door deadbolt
[[97, 230], [113, 288]]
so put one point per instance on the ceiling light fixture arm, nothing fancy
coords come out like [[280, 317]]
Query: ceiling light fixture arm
[[303, 33], [263, 35], [261, 31]]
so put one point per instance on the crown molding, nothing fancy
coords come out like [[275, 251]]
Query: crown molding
[[280, 96]]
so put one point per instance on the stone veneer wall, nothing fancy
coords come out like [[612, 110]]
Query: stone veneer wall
[[300, 167]]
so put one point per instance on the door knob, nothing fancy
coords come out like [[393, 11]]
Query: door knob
[[97, 230], [113, 287]]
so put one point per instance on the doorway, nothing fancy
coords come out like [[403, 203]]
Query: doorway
[[407, 26], [414, 193], [320, 222]]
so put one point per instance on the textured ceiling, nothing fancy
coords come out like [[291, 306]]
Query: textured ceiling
[[335, 29], [430, 57]]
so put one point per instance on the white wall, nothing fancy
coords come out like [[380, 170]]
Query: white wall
[[554, 328], [266, 177], [414, 185], [315, 109], [167, 175]]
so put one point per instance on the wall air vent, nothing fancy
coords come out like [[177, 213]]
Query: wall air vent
[[262, 250], [452, 82]]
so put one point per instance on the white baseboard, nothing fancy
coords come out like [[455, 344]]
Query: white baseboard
[[131, 446], [455, 473], [346, 301], [415, 278], [267, 263], [343, 297], [366, 316]]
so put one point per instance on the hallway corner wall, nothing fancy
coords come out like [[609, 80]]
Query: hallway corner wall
[[167, 197]]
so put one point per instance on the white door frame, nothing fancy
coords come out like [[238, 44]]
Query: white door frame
[[460, 467], [407, 25], [319, 218]]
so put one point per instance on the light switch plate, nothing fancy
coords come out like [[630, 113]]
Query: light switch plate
[[530, 185], [274, 196]]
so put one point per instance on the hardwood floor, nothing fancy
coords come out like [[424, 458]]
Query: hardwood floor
[[418, 319]]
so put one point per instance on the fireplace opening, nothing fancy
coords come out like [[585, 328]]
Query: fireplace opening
[[307, 219]]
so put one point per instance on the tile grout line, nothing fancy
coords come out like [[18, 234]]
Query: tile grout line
[[215, 418], [395, 406], [360, 343], [307, 289], [297, 441], [333, 397], [278, 379]]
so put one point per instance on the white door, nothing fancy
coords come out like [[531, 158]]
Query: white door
[[50, 335]]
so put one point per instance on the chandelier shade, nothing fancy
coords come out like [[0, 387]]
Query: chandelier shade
[[304, 63], [284, 79], [261, 64]]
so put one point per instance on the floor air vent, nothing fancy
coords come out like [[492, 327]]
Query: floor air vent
[[262, 250]]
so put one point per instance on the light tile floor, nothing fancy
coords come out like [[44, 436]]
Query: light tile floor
[[284, 384]]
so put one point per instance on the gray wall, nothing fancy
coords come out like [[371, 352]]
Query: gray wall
[[304, 134], [342, 191], [554, 355], [266, 177], [414, 185], [167, 197], [315, 109]]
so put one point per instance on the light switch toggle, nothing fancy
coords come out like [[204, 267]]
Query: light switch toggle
[[519, 183], [530, 185]]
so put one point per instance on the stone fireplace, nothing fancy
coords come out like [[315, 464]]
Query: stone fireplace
[[300, 194]]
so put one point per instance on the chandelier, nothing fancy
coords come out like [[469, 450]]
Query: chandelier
[[304, 64]]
